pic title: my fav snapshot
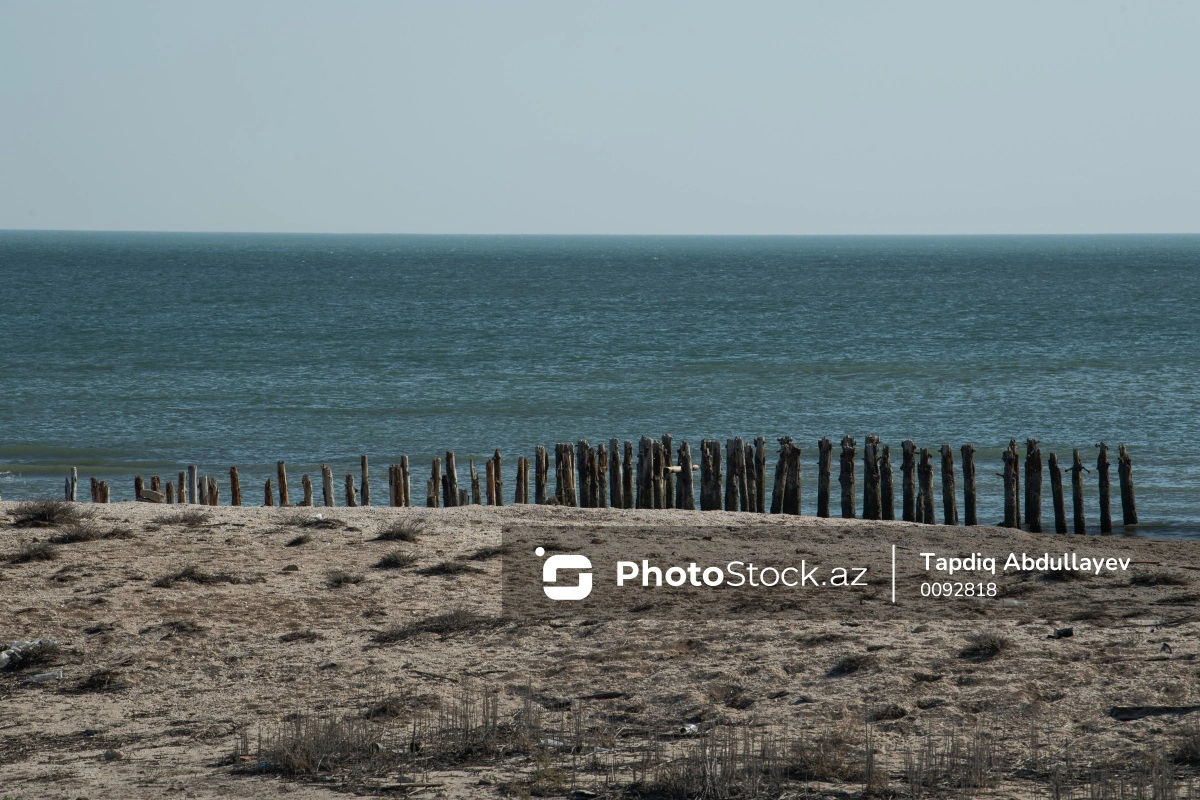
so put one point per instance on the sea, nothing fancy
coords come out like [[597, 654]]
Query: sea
[[129, 354]]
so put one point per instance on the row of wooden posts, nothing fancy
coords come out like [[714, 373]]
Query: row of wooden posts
[[603, 476]]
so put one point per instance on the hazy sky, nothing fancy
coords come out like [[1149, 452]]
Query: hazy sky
[[601, 117]]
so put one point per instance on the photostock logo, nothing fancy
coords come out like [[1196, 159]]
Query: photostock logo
[[567, 561]]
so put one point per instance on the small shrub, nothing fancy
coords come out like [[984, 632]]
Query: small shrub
[[102, 680], [984, 646], [447, 568], [444, 625], [35, 551], [46, 514], [23, 655], [851, 664], [335, 579], [188, 518], [174, 627], [88, 531], [1157, 578], [401, 530], [303, 519], [485, 553], [303, 538], [306, 636], [397, 559], [194, 574]]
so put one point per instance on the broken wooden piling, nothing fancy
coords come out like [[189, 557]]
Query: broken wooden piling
[[601, 473], [824, 475], [541, 466], [450, 482], [235, 487], [138, 485], [949, 504], [668, 488], [475, 497], [307, 489], [710, 475], [1010, 486], [1102, 465], [1056, 495], [887, 489], [193, 487], [846, 476], [351, 493], [970, 511], [925, 480], [499, 477], [490, 480], [365, 490], [327, 485], [616, 485], [751, 503], [281, 473], [581, 466], [685, 496], [1125, 474], [268, 496], [1033, 485], [1077, 470], [872, 499]]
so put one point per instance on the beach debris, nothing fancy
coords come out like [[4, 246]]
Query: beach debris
[[20, 654], [1062, 633], [45, 677], [151, 496], [113, 755]]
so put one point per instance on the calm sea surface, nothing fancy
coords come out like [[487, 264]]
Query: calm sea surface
[[129, 354]]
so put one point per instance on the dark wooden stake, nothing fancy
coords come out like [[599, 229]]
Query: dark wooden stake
[[193, 487], [969, 508], [351, 492], [327, 485], [824, 475], [616, 494], [268, 495], [792, 482], [668, 479], [170, 492], [846, 476], [581, 465], [235, 487], [155, 483], [627, 475], [405, 482], [949, 504], [731, 475], [1016, 476], [1010, 486], [138, 485], [785, 444], [686, 496], [499, 477], [490, 469], [1056, 495], [925, 474], [760, 474], [1102, 465], [435, 483], [1077, 470], [601, 476], [281, 473], [476, 495], [710, 475], [1125, 475], [306, 487], [365, 493], [751, 503], [872, 492], [451, 482], [887, 489], [1033, 485]]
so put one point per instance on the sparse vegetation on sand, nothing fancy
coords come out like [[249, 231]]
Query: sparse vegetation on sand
[[457, 621], [34, 551], [46, 514], [188, 518], [984, 646], [397, 559], [401, 530], [193, 574]]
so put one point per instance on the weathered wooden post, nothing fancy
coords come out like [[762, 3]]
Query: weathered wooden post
[[67, 488], [1033, 485], [824, 475], [969, 508], [1056, 496], [760, 474], [365, 493], [181, 489], [731, 476], [327, 485], [235, 487], [685, 496], [351, 494], [601, 472], [170, 492], [846, 476], [1102, 465], [656, 474], [1010, 487], [751, 474], [193, 487], [74, 484], [104, 494], [581, 465], [792, 482], [268, 496], [541, 466], [476, 495], [405, 482], [138, 485], [1125, 475], [155, 483], [281, 473], [710, 475], [462, 495], [872, 493], [1016, 477], [214, 493], [499, 478], [490, 478], [1077, 470], [627, 475], [523, 483], [887, 488], [435, 479], [668, 456], [306, 487], [785, 444], [949, 504], [431, 492], [925, 473], [616, 491], [451, 482], [644, 463], [560, 480]]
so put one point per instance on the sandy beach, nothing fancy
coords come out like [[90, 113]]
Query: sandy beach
[[186, 636]]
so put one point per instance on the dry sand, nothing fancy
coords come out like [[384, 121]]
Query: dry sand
[[194, 665]]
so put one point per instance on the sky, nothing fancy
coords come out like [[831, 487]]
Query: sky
[[639, 117]]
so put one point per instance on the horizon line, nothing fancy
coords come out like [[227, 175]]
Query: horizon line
[[624, 235]]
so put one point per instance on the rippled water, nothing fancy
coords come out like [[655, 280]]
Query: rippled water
[[141, 353]]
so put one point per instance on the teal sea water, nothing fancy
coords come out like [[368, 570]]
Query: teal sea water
[[125, 353]]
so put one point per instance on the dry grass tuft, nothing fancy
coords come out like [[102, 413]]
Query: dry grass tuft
[[444, 625], [335, 579], [397, 559], [193, 574], [307, 636], [46, 514], [449, 568], [31, 654], [485, 553], [102, 680], [303, 538], [852, 664], [34, 551], [984, 646], [1157, 578], [401, 530], [86, 530]]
